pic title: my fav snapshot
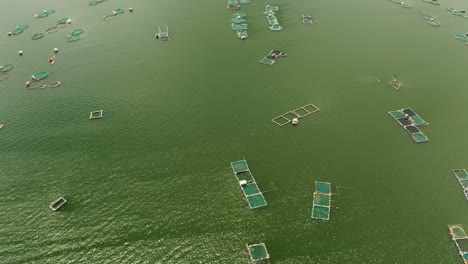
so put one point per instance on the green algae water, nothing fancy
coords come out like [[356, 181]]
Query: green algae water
[[151, 181]]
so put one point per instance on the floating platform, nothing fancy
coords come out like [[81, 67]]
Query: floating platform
[[258, 253], [242, 34], [462, 177], [307, 19], [410, 121], [322, 201], [238, 20], [58, 204], [233, 4], [163, 33], [272, 57], [461, 37], [96, 114], [300, 112], [461, 241], [249, 187], [40, 75]]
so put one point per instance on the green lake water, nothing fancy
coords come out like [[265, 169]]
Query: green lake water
[[151, 181]]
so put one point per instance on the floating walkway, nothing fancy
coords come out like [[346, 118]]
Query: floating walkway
[[233, 4], [249, 187], [322, 200], [163, 33], [300, 112], [410, 121], [258, 253], [58, 204], [272, 20], [462, 177], [461, 240], [96, 114], [272, 57]]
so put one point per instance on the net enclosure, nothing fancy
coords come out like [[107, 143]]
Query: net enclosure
[[248, 185], [321, 202], [258, 253], [272, 57], [300, 112], [460, 239], [410, 122], [462, 178]]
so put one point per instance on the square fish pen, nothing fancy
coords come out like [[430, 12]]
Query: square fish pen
[[322, 201], [461, 240], [410, 121], [258, 253], [249, 187], [96, 114], [300, 112], [272, 57], [462, 177]]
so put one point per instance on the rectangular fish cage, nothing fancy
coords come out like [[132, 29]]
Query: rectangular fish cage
[[96, 114], [247, 183], [460, 239], [462, 177], [272, 57], [233, 4], [307, 19], [322, 201], [258, 253], [163, 33], [57, 204], [300, 112], [410, 121]]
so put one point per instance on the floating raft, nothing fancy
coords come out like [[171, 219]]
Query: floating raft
[[410, 121], [237, 27], [258, 253], [322, 201], [22, 27], [6, 67], [272, 57], [307, 19], [404, 5], [96, 114], [58, 204], [233, 4], [300, 112], [461, 37], [459, 12], [241, 15], [242, 34], [428, 16], [270, 9], [163, 33], [462, 177], [461, 240], [245, 1], [434, 2], [73, 38], [237, 20], [40, 75], [37, 36], [274, 24], [434, 23], [248, 185]]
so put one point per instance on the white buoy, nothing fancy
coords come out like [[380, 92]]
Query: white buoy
[[36, 16], [69, 21], [295, 121], [55, 50], [130, 9], [243, 37], [20, 53], [9, 34]]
